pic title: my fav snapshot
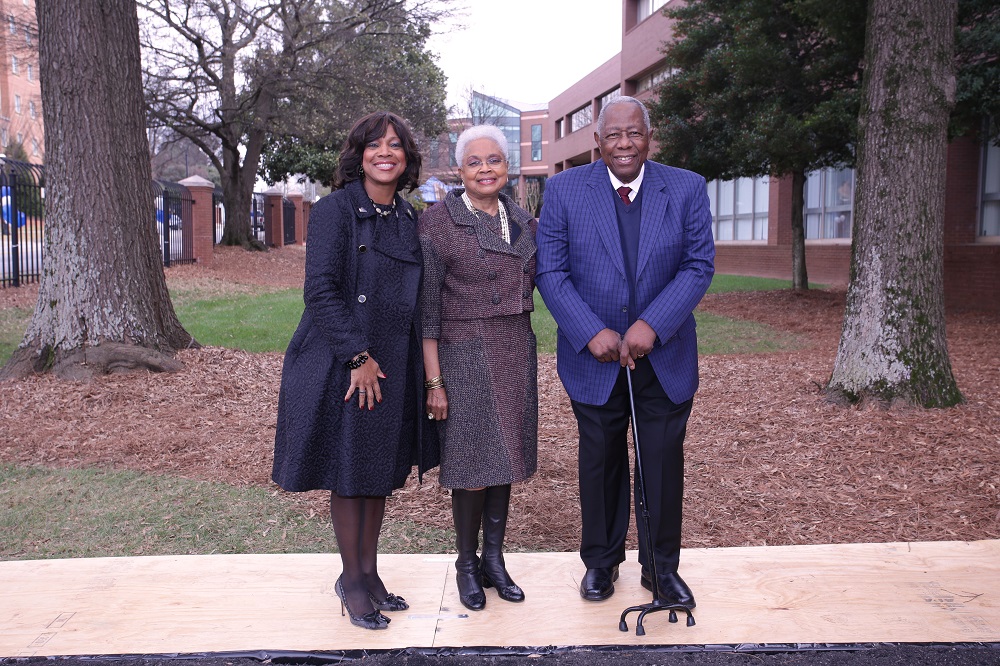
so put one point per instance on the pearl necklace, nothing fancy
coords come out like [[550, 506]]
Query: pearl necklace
[[504, 223], [382, 211]]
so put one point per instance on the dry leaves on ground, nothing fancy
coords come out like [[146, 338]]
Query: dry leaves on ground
[[769, 460]]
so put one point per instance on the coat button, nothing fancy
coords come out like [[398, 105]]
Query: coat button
[[362, 298], [624, 308], [481, 253], [470, 230], [527, 294], [492, 275], [496, 300], [362, 248]]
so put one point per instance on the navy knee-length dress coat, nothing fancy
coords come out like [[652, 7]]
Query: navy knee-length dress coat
[[363, 276]]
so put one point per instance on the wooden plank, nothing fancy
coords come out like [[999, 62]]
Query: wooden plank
[[852, 593]]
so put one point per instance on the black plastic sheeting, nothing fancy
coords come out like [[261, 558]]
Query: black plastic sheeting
[[865, 653]]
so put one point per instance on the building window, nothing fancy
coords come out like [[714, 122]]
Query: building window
[[610, 96], [989, 224], [648, 7], [30, 73], [17, 103], [739, 208], [32, 111], [34, 147], [20, 139], [13, 24], [581, 118], [652, 79], [434, 156], [27, 35], [536, 143], [13, 64], [452, 140], [559, 126], [829, 205]]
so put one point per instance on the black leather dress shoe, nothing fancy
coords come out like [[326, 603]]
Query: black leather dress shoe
[[671, 588], [598, 584]]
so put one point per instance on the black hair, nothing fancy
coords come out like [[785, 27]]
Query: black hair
[[371, 128]]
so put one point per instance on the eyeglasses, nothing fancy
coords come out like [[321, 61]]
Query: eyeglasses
[[491, 162]]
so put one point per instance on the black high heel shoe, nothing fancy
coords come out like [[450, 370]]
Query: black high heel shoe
[[391, 603], [373, 620]]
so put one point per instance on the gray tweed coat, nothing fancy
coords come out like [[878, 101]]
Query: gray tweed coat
[[477, 301]]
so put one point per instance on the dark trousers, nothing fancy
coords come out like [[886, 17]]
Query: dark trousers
[[604, 471]]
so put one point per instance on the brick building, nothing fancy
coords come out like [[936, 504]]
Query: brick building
[[752, 217], [20, 92]]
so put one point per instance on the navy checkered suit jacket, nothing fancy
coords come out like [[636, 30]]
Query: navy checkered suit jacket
[[581, 273]]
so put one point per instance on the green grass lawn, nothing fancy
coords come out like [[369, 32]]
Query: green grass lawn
[[13, 323], [60, 513], [56, 513], [722, 283], [265, 322], [251, 322]]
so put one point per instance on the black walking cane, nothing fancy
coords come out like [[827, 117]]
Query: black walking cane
[[657, 604]]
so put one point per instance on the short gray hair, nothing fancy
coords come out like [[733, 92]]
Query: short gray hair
[[477, 132], [623, 99]]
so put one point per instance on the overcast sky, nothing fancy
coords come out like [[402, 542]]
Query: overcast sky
[[526, 51]]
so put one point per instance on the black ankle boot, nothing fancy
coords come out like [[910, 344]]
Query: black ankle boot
[[494, 570], [467, 511]]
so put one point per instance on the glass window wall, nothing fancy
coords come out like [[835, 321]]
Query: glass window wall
[[829, 204], [739, 208], [581, 118], [989, 224], [536, 143]]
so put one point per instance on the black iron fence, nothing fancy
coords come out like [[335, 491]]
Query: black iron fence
[[288, 220], [169, 216], [218, 215], [22, 192], [256, 215]]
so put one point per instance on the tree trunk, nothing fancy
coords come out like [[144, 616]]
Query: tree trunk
[[800, 278], [102, 303], [893, 345], [237, 191]]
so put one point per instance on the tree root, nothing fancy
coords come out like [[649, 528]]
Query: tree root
[[85, 363]]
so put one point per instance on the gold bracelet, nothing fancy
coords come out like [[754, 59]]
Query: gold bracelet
[[435, 383]]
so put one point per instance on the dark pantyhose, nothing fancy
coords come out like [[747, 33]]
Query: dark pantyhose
[[357, 522]]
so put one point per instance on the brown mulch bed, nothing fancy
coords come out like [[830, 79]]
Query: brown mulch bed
[[769, 460]]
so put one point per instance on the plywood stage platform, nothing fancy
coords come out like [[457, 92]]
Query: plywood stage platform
[[940, 592]]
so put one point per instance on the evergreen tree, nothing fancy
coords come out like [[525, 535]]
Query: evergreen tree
[[762, 87]]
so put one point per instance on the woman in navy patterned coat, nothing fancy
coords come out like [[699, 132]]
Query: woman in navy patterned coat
[[479, 270], [351, 386]]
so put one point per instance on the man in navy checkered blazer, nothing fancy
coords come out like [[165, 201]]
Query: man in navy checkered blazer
[[625, 253]]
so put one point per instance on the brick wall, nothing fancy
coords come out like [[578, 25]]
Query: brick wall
[[972, 277], [826, 263]]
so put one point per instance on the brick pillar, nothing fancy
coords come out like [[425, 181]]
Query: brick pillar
[[300, 234], [306, 211], [779, 206], [200, 229], [274, 232]]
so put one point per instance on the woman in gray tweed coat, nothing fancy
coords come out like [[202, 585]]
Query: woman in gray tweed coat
[[480, 355]]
